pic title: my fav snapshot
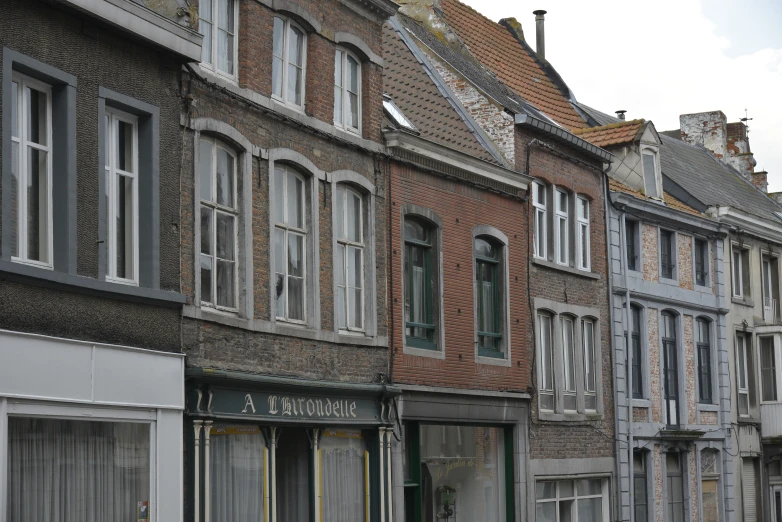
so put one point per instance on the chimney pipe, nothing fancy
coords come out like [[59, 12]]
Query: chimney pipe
[[540, 37], [621, 114]]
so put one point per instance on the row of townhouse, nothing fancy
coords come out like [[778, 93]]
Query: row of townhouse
[[357, 260]]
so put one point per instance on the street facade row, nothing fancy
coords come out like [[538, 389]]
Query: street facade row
[[368, 261]]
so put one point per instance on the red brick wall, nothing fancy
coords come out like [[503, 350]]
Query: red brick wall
[[461, 207]]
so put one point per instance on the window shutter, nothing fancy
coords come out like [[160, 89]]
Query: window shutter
[[749, 490]]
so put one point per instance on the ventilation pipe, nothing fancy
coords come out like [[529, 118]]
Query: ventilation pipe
[[540, 36]]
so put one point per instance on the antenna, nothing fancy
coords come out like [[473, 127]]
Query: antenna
[[746, 119]]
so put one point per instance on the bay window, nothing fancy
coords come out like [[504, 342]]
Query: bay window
[[540, 239], [290, 243], [581, 500], [349, 229], [569, 364], [219, 215], [562, 228], [582, 234], [121, 168], [419, 284], [288, 62], [489, 287], [590, 389], [546, 363], [347, 91], [31, 171], [218, 51]]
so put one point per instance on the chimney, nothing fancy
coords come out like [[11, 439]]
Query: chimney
[[540, 36], [621, 114], [760, 180], [709, 129], [740, 156]]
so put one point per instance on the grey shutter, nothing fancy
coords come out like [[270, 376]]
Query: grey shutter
[[749, 490]]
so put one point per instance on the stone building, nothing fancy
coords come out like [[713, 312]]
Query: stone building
[[284, 263], [90, 366]]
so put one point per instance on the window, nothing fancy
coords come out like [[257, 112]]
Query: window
[[31, 171], [740, 271], [350, 259], [675, 487], [569, 364], [583, 240], [583, 500], [347, 91], [770, 286], [290, 239], [539, 208], [701, 262], [768, 369], [237, 459], [670, 370], [667, 254], [633, 231], [709, 485], [702, 327], [743, 357], [292, 469], [218, 51], [121, 154], [489, 283], [546, 385], [343, 461], [562, 228], [640, 498], [219, 214], [650, 174], [419, 285], [288, 62], [590, 390], [52, 462], [635, 343]]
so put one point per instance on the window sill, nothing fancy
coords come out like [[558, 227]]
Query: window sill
[[642, 403], [86, 285], [708, 407], [563, 268], [568, 417], [493, 361], [743, 301], [668, 281], [431, 353]]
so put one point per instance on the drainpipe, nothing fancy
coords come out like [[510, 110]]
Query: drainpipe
[[629, 394]]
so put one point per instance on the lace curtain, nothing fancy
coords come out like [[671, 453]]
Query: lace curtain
[[236, 462], [343, 476]]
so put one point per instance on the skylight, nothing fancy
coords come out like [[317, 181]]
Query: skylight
[[396, 114]]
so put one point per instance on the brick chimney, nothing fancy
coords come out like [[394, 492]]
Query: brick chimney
[[760, 180], [709, 129], [740, 156]]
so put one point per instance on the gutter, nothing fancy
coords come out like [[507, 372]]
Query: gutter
[[565, 137]]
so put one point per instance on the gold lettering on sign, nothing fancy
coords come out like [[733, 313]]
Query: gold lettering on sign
[[248, 403], [310, 407], [286, 406], [272, 404], [303, 407]]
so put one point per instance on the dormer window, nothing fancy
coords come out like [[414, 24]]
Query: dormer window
[[651, 172]]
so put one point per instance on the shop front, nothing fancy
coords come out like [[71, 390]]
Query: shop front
[[89, 431], [277, 449]]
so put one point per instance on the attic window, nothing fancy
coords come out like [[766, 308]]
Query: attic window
[[651, 173], [396, 114]]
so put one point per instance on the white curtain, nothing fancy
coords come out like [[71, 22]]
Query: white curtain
[[236, 482], [343, 477], [68, 471]]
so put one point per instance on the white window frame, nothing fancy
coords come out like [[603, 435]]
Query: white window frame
[[283, 96], [216, 207], [742, 354], [589, 363], [112, 175], [539, 220], [656, 158], [546, 362], [583, 224], [561, 258], [739, 291], [569, 366], [775, 346], [603, 496], [212, 63], [288, 229], [345, 191], [23, 82], [345, 93]]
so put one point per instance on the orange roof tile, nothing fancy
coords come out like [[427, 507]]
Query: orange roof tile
[[670, 201], [499, 51], [612, 134]]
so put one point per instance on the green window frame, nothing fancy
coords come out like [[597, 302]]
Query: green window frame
[[420, 330], [488, 290]]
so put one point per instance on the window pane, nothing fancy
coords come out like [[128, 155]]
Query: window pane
[[546, 512], [544, 325], [37, 117], [296, 277], [339, 270], [37, 205], [584, 239], [225, 178], [338, 92], [416, 231], [569, 355], [768, 369], [279, 196], [343, 475], [485, 249], [295, 255], [589, 357], [279, 271], [295, 201], [279, 37], [294, 84], [205, 28], [124, 144], [356, 285], [225, 52], [124, 246], [225, 15], [14, 109], [353, 88], [205, 169], [226, 236], [277, 60], [296, 299], [206, 279], [293, 476], [650, 175], [486, 297], [710, 501], [562, 240], [590, 510], [206, 230], [295, 47], [225, 283], [340, 219], [352, 110], [76, 470], [237, 463], [15, 207], [354, 216]]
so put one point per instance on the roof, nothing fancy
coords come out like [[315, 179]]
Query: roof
[[711, 181], [513, 62], [670, 201], [613, 133], [601, 118], [420, 100]]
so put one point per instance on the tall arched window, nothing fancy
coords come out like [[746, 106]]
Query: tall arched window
[[290, 244], [670, 369], [349, 270], [489, 284], [419, 284]]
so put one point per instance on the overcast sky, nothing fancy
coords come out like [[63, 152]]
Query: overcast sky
[[666, 58]]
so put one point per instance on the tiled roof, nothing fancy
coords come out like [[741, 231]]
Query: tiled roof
[[612, 134], [670, 201], [414, 92], [512, 62]]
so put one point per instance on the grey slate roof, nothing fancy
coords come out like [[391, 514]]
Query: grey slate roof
[[600, 117], [712, 182]]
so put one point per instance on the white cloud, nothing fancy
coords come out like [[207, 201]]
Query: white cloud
[[657, 61]]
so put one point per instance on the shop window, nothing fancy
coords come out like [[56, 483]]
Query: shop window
[[701, 262], [562, 228], [640, 487], [740, 272], [238, 462], [589, 355], [419, 283], [290, 244], [633, 244], [546, 364], [539, 205], [583, 251], [670, 370], [344, 467], [768, 369], [667, 254], [217, 22], [636, 315], [349, 268], [288, 62], [743, 358], [292, 468], [347, 91], [583, 500], [490, 291], [77, 470], [674, 487], [702, 327], [709, 485]]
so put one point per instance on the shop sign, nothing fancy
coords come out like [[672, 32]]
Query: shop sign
[[291, 406]]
